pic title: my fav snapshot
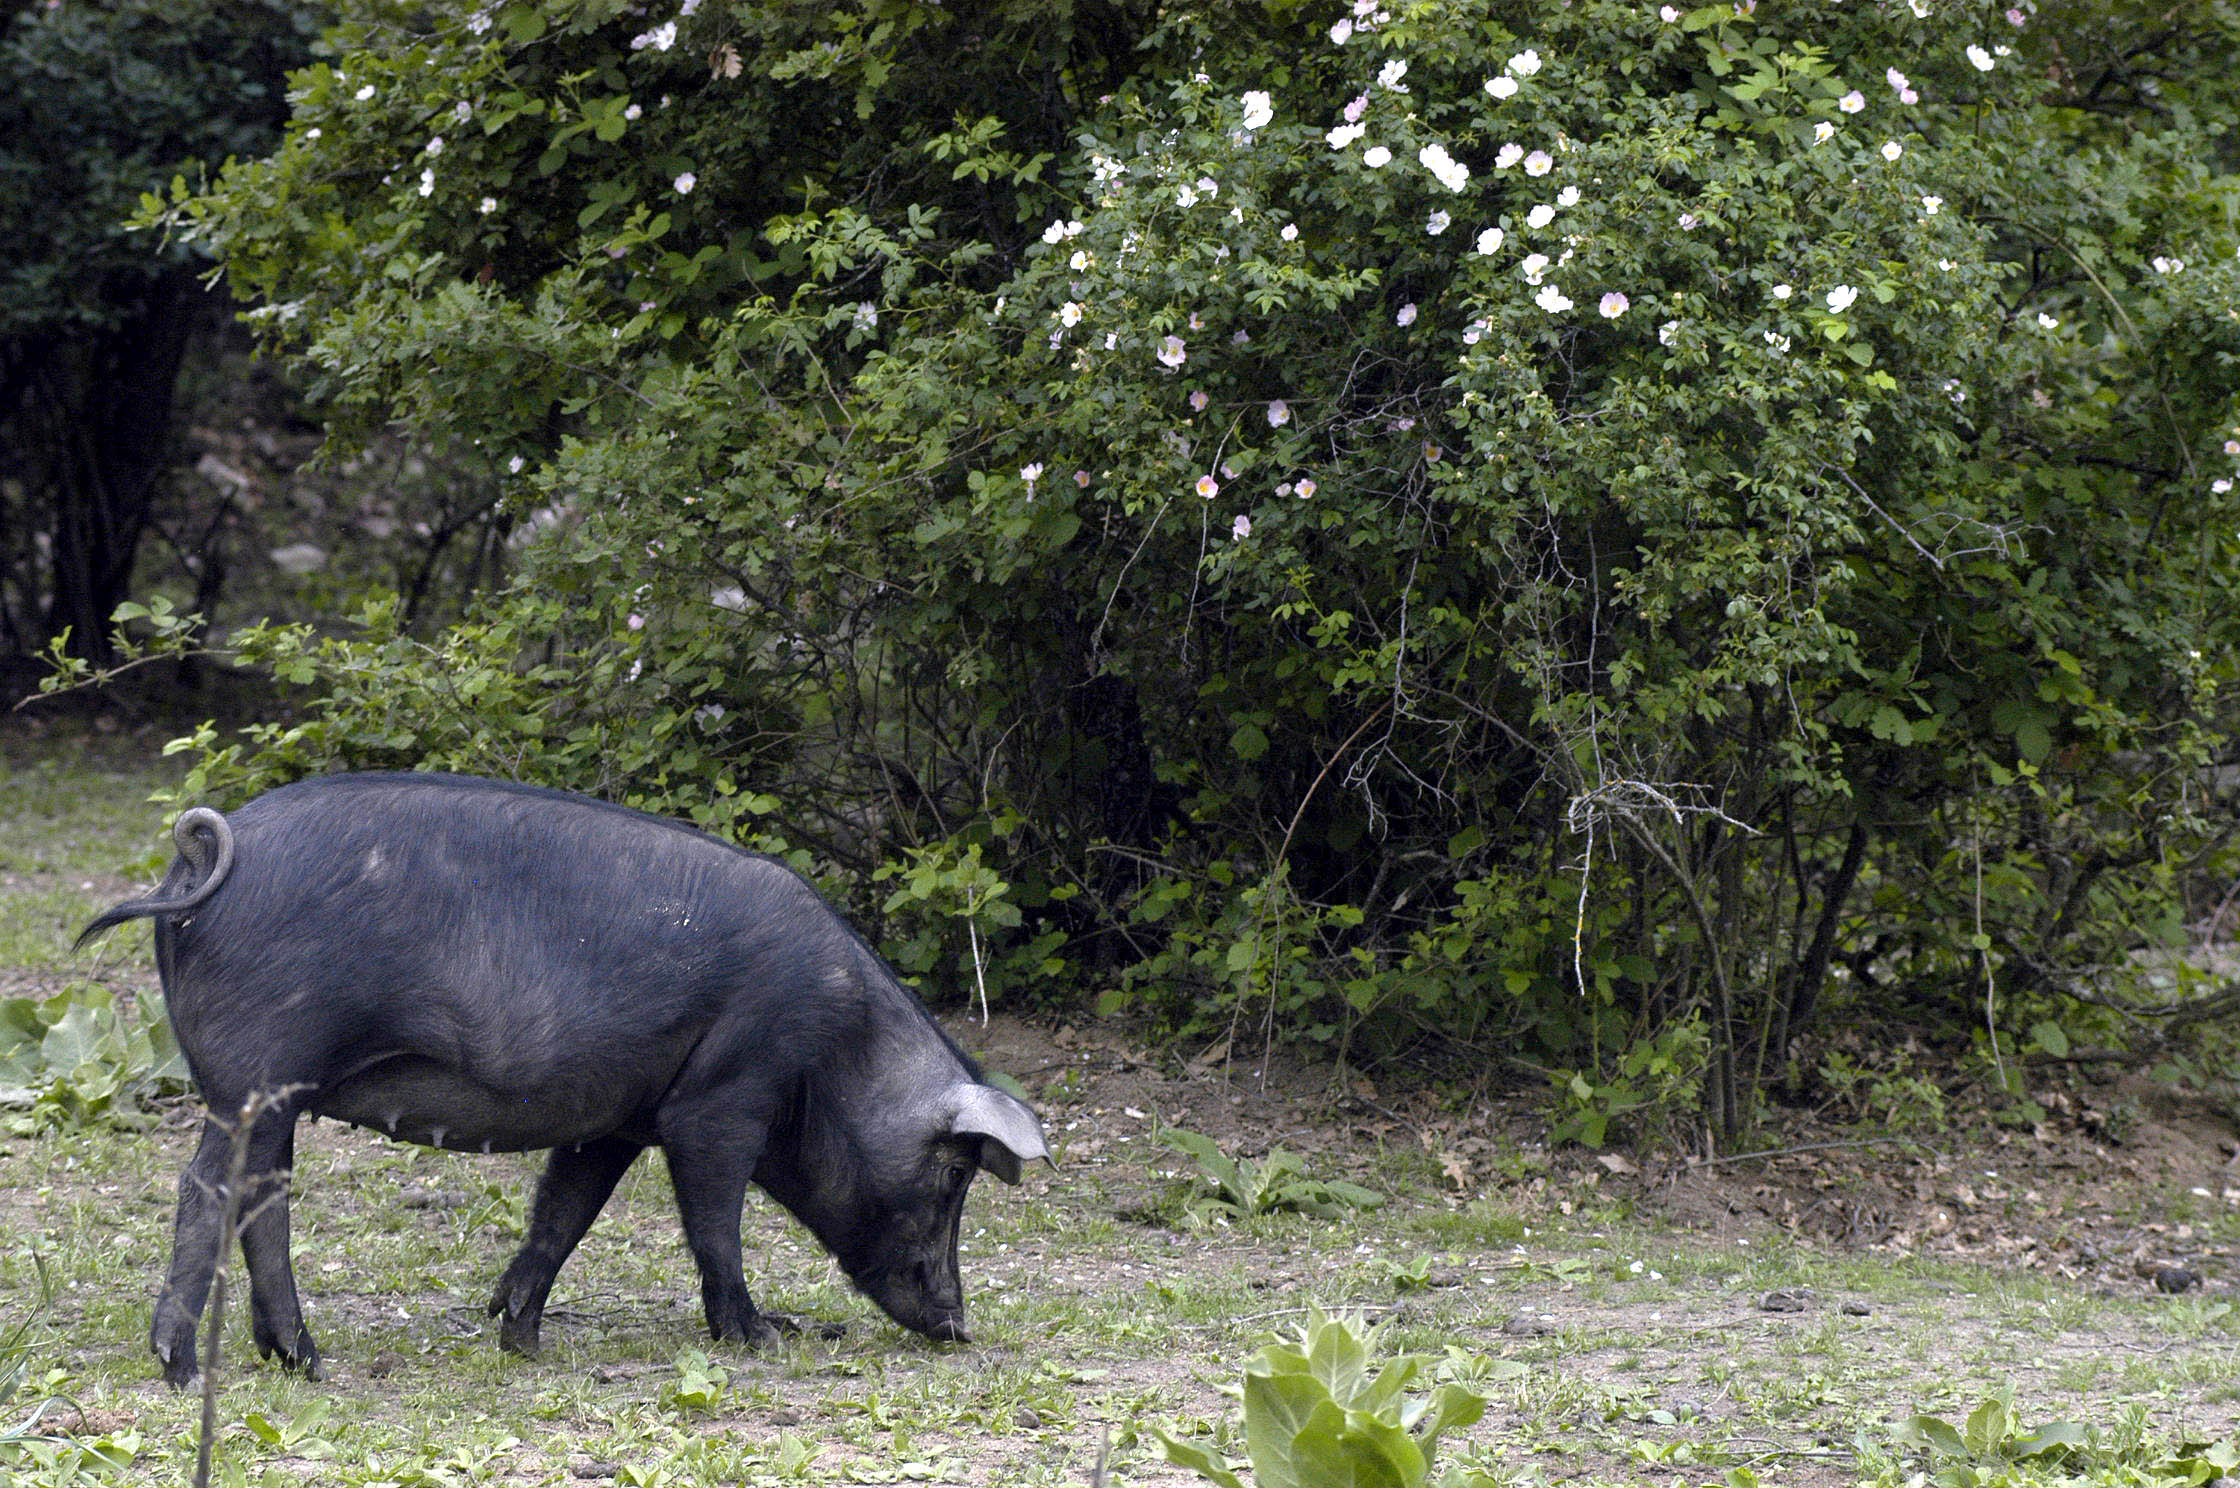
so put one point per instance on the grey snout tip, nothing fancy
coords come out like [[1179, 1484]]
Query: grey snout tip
[[949, 1330]]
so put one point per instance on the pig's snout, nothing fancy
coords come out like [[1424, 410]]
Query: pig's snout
[[925, 1296]]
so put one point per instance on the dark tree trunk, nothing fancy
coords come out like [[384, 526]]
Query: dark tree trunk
[[106, 409]]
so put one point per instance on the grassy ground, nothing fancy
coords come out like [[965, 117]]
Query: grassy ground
[[1617, 1346]]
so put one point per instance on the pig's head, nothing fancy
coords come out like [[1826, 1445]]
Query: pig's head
[[883, 1188]]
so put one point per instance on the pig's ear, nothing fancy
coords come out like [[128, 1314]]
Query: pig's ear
[[1012, 1134]]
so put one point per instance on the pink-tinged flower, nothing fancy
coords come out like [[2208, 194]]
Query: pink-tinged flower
[[2220, 485], [636, 622], [1198, 401], [1896, 80], [1907, 95], [1290, 233], [1341, 31], [1208, 487], [1507, 156], [1852, 101], [1171, 351], [1614, 305], [2015, 17], [1687, 221], [1081, 479], [1241, 528], [1029, 474], [1355, 106], [1279, 414], [1305, 488], [685, 182], [2232, 446], [1539, 163], [1407, 315]]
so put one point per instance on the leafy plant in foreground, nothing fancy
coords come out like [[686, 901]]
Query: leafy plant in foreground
[[1992, 1447], [1320, 1409], [1279, 1181], [77, 1058]]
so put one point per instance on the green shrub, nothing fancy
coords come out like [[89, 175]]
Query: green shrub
[[1542, 524], [1241, 1188]]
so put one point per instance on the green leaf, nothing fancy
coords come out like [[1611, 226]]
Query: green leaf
[[1986, 1428], [1928, 1431], [76, 1041], [1248, 742], [1203, 1461]]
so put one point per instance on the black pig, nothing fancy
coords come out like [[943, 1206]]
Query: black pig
[[491, 967]]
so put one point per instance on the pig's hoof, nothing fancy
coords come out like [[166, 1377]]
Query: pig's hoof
[[302, 1356], [519, 1336], [180, 1370], [761, 1330]]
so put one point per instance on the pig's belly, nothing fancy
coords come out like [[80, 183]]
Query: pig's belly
[[417, 1100]]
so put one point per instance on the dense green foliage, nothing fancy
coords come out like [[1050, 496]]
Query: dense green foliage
[[1597, 529]]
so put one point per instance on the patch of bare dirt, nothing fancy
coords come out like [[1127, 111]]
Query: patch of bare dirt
[[2122, 1184]]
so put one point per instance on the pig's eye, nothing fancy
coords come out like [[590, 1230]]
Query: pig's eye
[[954, 1174]]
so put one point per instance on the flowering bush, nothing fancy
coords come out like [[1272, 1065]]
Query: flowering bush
[[1546, 521]]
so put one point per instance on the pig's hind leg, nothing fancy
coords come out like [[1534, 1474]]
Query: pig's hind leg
[[262, 1223], [575, 1186], [276, 1310]]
